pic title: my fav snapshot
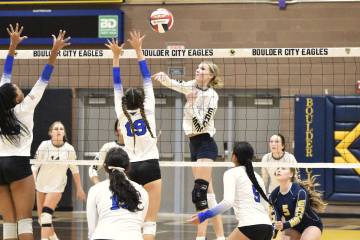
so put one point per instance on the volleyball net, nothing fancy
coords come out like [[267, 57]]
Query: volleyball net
[[310, 95]]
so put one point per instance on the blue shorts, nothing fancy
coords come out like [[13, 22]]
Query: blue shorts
[[203, 146], [307, 223], [14, 168]]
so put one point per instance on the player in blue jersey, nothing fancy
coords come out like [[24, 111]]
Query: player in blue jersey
[[17, 188], [135, 110], [298, 204], [244, 191]]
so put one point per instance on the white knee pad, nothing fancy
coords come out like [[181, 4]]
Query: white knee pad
[[211, 198], [46, 219], [25, 226], [9, 230], [149, 228]]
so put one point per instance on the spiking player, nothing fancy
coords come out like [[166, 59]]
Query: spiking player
[[198, 124]]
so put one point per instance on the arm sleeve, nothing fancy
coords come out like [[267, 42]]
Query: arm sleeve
[[6, 76], [36, 93], [118, 92], [226, 203], [91, 212], [202, 117], [72, 156], [180, 86], [149, 102], [274, 211], [299, 210]]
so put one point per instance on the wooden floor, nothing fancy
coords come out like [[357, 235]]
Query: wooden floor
[[73, 226]]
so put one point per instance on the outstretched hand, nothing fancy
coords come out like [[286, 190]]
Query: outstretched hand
[[60, 41], [113, 45], [160, 77], [136, 40], [15, 34], [194, 220]]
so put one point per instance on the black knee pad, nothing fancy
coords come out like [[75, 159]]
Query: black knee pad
[[199, 194]]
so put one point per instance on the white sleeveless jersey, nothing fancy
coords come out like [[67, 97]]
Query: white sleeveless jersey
[[268, 173], [145, 146], [118, 224], [24, 112], [52, 178], [249, 207], [198, 118]]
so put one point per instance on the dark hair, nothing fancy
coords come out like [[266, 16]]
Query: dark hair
[[116, 125], [10, 127], [244, 153], [282, 140], [134, 99], [120, 186]]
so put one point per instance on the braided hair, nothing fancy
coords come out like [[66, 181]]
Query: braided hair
[[244, 154], [134, 99], [10, 127]]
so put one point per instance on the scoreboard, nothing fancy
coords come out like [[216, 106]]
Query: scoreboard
[[84, 26]]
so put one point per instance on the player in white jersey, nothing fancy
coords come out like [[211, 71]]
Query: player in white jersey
[[17, 188], [100, 156], [244, 191], [136, 113], [198, 124], [277, 155], [116, 207], [50, 180]]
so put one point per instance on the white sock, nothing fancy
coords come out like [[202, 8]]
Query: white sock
[[200, 238], [221, 238]]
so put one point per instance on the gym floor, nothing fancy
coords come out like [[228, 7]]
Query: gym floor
[[73, 226]]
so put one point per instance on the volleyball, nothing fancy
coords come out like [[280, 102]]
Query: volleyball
[[161, 20]]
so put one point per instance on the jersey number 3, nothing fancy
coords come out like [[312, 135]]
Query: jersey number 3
[[256, 194], [139, 128]]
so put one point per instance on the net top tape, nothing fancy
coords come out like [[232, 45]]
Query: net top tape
[[192, 53], [213, 164]]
